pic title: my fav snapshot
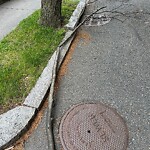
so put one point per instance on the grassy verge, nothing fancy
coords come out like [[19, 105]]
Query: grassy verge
[[25, 52]]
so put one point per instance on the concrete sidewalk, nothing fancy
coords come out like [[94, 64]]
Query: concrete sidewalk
[[15, 11], [110, 64]]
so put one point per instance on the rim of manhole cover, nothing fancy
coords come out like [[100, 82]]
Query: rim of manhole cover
[[93, 127]]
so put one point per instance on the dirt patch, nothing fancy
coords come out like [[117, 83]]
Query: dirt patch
[[80, 36], [18, 146], [8, 106]]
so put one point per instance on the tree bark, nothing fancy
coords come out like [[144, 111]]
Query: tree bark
[[51, 13]]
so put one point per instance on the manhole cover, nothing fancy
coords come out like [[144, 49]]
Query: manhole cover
[[93, 127]]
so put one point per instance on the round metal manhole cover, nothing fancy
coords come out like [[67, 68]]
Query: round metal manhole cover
[[93, 127]]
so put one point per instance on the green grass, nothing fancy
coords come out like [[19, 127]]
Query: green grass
[[67, 8], [25, 52]]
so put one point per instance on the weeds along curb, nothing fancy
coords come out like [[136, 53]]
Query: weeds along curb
[[15, 122]]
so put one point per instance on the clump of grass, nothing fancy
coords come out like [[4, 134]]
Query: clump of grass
[[25, 52]]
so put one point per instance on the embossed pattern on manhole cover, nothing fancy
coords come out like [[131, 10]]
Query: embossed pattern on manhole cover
[[93, 127]]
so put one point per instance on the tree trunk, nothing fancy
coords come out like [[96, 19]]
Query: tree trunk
[[51, 13]]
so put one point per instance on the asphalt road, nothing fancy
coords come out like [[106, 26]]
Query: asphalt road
[[38, 140], [109, 64], [13, 11]]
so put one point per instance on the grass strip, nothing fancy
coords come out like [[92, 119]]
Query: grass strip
[[25, 52]]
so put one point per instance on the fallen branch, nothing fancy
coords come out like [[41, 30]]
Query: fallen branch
[[80, 24], [50, 136]]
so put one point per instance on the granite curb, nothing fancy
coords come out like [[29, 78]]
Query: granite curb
[[16, 121], [74, 19]]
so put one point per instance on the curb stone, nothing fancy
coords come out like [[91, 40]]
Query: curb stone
[[37, 94], [16, 121], [74, 19], [13, 123]]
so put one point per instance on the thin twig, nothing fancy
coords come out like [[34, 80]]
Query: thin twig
[[10, 148], [89, 3], [80, 24], [118, 7], [122, 21], [109, 11], [50, 135]]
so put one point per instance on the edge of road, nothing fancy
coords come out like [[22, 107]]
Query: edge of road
[[15, 122]]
